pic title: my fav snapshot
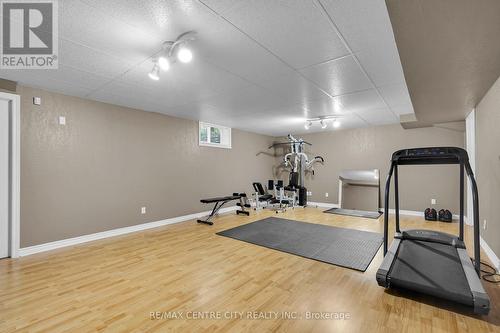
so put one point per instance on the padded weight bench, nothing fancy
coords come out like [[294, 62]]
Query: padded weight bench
[[221, 201]]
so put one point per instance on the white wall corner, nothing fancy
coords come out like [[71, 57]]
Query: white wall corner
[[491, 255], [115, 232]]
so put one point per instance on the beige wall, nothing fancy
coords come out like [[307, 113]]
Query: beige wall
[[95, 173], [371, 148], [488, 165]]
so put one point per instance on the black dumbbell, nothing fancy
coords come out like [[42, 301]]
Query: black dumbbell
[[445, 215]]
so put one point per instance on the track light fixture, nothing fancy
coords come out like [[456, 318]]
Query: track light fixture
[[172, 50], [155, 72], [323, 121], [164, 62]]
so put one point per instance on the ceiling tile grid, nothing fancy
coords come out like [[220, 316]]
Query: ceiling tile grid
[[260, 65]]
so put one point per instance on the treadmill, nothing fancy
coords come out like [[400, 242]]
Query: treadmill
[[433, 262]]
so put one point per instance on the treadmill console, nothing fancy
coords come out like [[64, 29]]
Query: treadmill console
[[430, 155], [437, 151]]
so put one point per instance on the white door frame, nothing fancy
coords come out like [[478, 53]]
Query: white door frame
[[470, 138], [15, 170]]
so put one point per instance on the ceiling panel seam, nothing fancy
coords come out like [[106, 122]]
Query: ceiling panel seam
[[346, 44]]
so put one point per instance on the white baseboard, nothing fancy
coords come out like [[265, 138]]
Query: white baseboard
[[391, 211], [115, 232], [323, 204], [491, 255], [416, 213]]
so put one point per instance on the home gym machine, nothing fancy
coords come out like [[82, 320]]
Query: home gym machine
[[277, 201], [298, 163], [433, 262]]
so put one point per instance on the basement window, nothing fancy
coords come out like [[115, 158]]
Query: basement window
[[211, 135]]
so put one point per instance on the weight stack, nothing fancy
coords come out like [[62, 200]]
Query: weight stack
[[302, 196]]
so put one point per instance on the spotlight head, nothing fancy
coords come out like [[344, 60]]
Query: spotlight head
[[308, 125], [323, 124], [184, 55], [155, 73], [164, 63], [336, 123]]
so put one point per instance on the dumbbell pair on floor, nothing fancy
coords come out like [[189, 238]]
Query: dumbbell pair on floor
[[444, 215]]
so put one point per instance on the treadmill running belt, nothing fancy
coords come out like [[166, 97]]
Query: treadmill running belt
[[431, 268]]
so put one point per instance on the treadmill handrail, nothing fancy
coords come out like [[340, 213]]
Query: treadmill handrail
[[443, 155]]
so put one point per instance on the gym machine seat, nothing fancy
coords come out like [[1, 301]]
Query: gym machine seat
[[432, 262], [262, 195]]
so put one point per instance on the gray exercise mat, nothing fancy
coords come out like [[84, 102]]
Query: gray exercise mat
[[338, 246], [353, 212]]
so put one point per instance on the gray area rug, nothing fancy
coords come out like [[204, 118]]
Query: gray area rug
[[338, 246], [352, 212]]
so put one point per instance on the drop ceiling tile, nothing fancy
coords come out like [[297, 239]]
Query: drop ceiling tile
[[281, 112], [324, 108], [61, 87], [201, 73], [345, 104], [163, 19], [89, 26], [395, 94], [403, 109], [207, 113], [359, 101], [120, 89], [91, 60], [382, 64], [223, 6], [364, 24], [250, 101], [297, 31], [126, 101], [66, 74], [238, 54], [378, 116], [271, 124], [294, 88], [337, 77], [172, 88]]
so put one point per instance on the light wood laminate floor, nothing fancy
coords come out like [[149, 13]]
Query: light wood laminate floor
[[114, 285]]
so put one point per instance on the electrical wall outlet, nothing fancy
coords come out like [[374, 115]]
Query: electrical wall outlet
[[37, 100], [433, 201], [484, 224], [309, 193], [326, 195], [143, 210], [62, 120]]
